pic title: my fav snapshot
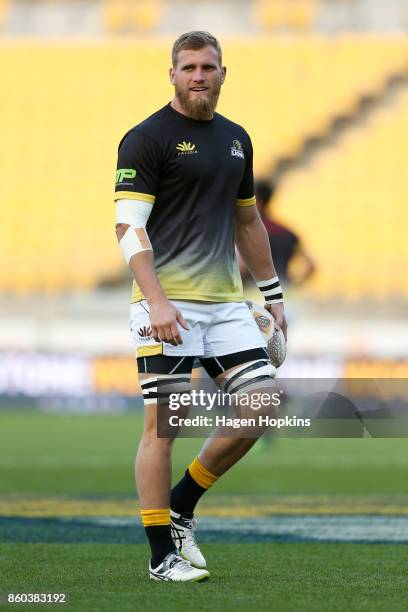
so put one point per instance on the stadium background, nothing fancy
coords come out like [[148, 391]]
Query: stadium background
[[322, 87]]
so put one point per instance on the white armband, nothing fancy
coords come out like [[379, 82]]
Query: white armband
[[134, 213]]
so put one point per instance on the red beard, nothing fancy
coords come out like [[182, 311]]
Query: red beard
[[199, 107]]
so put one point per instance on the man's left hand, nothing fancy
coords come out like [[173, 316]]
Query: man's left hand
[[278, 313]]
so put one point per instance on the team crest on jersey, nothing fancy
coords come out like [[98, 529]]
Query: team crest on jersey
[[237, 150], [186, 148]]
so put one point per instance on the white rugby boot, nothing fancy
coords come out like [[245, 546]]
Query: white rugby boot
[[176, 569], [183, 534]]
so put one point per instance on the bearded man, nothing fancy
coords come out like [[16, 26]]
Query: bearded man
[[184, 198]]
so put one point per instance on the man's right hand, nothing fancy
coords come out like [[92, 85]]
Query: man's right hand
[[164, 319]]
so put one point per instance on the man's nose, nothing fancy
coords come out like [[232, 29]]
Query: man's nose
[[198, 75]]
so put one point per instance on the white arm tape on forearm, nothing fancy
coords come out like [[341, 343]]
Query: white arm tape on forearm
[[134, 213], [134, 240]]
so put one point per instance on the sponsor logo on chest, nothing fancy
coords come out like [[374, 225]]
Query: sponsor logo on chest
[[186, 148]]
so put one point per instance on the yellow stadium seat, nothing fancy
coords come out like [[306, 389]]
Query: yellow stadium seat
[[4, 9], [146, 14], [114, 13], [303, 14], [270, 14], [128, 15], [274, 14]]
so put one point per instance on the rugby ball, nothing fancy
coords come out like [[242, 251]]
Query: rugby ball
[[275, 340]]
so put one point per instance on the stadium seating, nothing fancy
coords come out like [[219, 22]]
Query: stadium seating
[[61, 125], [298, 84], [349, 205]]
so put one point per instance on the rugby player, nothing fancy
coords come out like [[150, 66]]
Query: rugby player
[[184, 197]]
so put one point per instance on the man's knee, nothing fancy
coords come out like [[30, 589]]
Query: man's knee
[[151, 427], [150, 440]]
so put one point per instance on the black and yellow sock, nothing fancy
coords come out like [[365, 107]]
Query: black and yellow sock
[[186, 493], [157, 527]]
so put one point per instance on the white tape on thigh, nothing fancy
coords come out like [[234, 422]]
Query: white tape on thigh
[[254, 374], [157, 389]]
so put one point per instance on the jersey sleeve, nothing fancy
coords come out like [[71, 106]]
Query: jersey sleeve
[[246, 195], [137, 173]]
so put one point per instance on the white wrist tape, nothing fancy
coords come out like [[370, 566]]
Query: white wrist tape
[[271, 290], [134, 213]]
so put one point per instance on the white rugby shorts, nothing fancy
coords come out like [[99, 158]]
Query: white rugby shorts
[[216, 329]]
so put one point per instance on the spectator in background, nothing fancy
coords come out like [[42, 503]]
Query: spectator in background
[[285, 244]]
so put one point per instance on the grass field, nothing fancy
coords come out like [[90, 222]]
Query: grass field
[[251, 577], [48, 453], [67, 483]]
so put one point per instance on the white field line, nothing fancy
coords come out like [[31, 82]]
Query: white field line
[[364, 528]]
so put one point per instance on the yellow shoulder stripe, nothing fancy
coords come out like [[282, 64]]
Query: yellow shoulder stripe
[[148, 351], [246, 201], [134, 195]]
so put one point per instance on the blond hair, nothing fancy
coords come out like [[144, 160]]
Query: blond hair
[[195, 40]]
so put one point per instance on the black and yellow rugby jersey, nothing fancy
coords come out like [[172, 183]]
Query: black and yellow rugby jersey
[[194, 173]]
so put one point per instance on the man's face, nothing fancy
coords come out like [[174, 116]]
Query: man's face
[[197, 79]]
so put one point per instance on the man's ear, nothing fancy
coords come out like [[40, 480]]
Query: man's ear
[[224, 73], [171, 75]]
